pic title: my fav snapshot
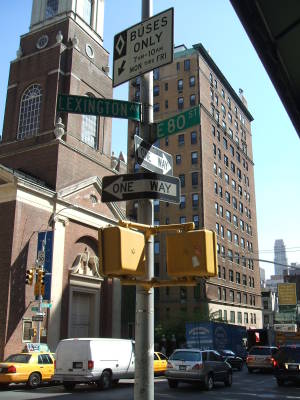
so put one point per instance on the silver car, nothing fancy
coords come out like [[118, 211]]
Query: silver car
[[261, 357], [194, 366]]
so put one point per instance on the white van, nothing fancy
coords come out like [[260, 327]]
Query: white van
[[102, 361]]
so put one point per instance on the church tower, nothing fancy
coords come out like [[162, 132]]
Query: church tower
[[61, 53], [51, 169]]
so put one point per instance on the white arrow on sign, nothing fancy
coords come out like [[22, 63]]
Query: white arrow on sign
[[158, 162], [120, 187]]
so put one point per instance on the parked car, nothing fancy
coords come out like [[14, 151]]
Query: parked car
[[30, 368], [286, 364], [197, 366], [234, 360], [160, 363], [98, 360], [261, 357]]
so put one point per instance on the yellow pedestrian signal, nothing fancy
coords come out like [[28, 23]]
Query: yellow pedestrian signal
[[192, 253], [121, 252], [29, 276]]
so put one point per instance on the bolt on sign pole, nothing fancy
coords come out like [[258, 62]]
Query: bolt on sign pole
[[144, 315]]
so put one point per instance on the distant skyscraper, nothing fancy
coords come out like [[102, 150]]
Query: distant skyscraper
[[279, 257]]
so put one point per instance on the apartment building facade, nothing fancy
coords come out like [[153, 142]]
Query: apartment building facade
[[214, 162]]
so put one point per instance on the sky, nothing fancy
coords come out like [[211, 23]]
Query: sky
[[276, 145]]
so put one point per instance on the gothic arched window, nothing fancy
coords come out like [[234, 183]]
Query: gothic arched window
[[89, 129], [30, 110], [51, 8]]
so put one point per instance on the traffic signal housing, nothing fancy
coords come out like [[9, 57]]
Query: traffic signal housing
[[192, 253], [29, 276], [39, 287], [121, 252]]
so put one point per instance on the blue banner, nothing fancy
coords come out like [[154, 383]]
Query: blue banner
[[48, 235]]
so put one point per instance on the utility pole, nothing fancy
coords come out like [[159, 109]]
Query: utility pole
[[144, 313], [40, 296]]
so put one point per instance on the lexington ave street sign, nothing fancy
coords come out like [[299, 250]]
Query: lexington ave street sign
[[141, 186], [96, 106], [152, 158], [143, 47], [178, 123]]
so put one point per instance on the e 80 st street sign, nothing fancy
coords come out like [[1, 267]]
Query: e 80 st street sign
[[95, 106], [178, 123], [143, 47]]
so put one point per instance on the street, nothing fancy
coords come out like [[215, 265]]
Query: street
[[245, 386]]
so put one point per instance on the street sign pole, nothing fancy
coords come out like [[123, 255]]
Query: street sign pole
[[144, 312]]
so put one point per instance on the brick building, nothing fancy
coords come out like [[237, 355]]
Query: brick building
[[50, 178], [214, 162]]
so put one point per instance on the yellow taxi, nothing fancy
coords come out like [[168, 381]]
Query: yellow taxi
[[30, 368], [160, 363]]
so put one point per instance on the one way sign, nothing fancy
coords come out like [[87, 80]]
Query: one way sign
[[140, 186], [152, 158]]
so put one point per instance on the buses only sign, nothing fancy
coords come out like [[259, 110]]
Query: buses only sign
[[143, 47]]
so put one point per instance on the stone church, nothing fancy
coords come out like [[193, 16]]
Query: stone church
[[51, 165]]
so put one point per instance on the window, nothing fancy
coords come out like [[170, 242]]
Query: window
[[51, 8], [223, 109], [221, 211], [180, 85], [224, 293], [227, 197], [217, 228], [156, 222], [229, 117], [232, 317], [195, 200], [192, 81], [180, 103], [220, 191], [217, 208], [231, 296], [225, 315], [187, 65], [214, 149], [239, 317], [245, 318], [182, 201], [27, 326], [230, 255], [156, 90], [178, 159], [222, 231], [156, 247], [226, 160], [232, 167], [219, 154], [225, 145], [234, 202], [30, 109], [181, 139], [241, 207], [238, 277], [229, 235], [229, 102], [182, 180], [233, 184], [194, 158], [182, 220], [236, 239], [156, 74], [194, 178], [223, 93], [156, 107], [219, 293], [223, 251], [216, 100], [237, 258], [238, 297], [228, 215], [216, 84], [226, 178], [87, 11], [231, 275], [156, 205], [245, 298], [220, 172], [196, 221], [216, 187], [192, 99], [244, 280], [89, 129], [215, 168]]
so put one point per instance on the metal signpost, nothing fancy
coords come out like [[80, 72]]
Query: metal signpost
[[96, 106], [152, 158], [178, 123], [148, 185], [143, 47]]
